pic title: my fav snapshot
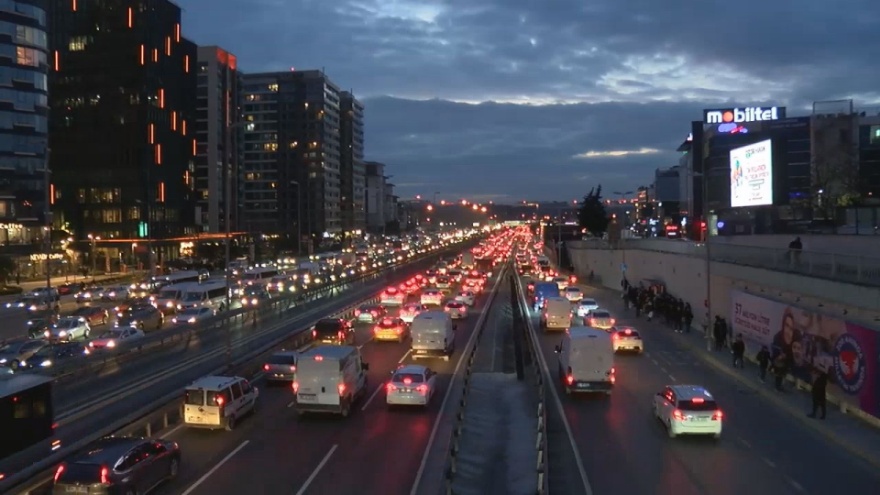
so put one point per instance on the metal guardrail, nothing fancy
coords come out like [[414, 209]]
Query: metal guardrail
[[297, 338]]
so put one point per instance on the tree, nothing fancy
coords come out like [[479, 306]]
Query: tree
[[592, 215], [7, 268]]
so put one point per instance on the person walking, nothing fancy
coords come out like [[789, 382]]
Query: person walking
[[763, 359], [820, 384], [780, 369], [688, 317], [794, 249], [739, 350]]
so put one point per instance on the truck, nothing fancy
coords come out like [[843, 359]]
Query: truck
[[467, 261]]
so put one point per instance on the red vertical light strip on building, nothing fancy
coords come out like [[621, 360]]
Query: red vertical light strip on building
[[173, 120], [155, 54], [194, 147], [161, 98], [143, 55], [177, 32], [158, 154], [161, 192], [51, 194], [57, 61], [168, 45], [152, 133], [130, 17], [183, 126], [186, 63], [73, 5]]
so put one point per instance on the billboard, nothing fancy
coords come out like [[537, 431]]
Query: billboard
[[751, 175], [743, 115], [848, 352]]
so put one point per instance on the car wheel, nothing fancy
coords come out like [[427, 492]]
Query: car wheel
[[669, 430], [346, 410], [14, 364], [230, 423], [173, 468], [86, 333]]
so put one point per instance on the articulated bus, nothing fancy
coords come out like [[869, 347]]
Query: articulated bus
[[26, 414]]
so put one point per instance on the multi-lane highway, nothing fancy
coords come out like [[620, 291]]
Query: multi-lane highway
[[624, 449], [376, 450]]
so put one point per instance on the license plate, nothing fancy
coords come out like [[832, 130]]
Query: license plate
[[583, 385], [405, 390], [307, 397], [700, 419], [196, 419], [77, 489], [419, 351]]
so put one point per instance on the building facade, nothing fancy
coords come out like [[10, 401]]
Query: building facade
[[291, 167], [218, 130], [122, 129], [24, 112], [375, 196], [352, 170]]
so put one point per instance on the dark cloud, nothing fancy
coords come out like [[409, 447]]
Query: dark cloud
[[599, 76]]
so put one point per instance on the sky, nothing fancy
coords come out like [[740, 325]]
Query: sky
[[505, 100]]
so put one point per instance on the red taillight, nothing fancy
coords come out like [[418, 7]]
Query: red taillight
[[717, 415], [407, 381], [374, 313], [569, 379], [218, 400], [422, 389], [295, 386], [340, 335], [614, 336], [376, 329], [105, 475], [357, 312], [293, 368], [677, 415], [698, 400], [399, 330], [314, 334], [592, 321], [613, 321], [58, 472], [572, 279], [266, 367], [341, 388]]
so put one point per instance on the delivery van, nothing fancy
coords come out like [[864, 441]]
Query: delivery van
[[556, 314], [329, 379], [432, 335], [216, 402], [586, 361], [543, 290]]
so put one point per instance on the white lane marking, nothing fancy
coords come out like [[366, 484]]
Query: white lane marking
[[797, 486], [664, 370], [172, 431], [744, 442], [672, 378], [433, 436], [317, 470], [365, 343], [291, 403], [215, 468], [655, 362], [379, 388], [406, 355], [768, 462]]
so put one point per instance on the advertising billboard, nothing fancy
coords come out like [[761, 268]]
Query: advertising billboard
[[848, 352], [751, 175], [743, 115]]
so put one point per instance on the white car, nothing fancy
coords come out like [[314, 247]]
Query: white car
[[411, 385], [193, 315], [112, 338], [561, 282], [688, 410], [67, 329], [600, 318], [118, 293], [392, 296], [432, 297], [584, 306], [467, 297], [456, 310], [573, 293], [409, 312], [626, 339]]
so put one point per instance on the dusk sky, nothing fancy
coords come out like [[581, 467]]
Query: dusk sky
[[542, 99]]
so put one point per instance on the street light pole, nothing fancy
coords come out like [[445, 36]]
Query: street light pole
[[47, 218], [706, 244]]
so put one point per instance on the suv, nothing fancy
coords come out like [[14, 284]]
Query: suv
[[333, 331], [118, 465], [215, 402], [145, 317]]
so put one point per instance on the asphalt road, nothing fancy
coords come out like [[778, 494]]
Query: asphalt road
[[376, 450], [15, 319], [763, 449]]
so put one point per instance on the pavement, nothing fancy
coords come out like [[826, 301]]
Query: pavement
[[769, 446], [376, 450]]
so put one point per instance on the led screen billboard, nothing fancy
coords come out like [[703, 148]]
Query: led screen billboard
[[751, 175]]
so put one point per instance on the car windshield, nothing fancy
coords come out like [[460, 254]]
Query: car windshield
[[168, 294], [81, 473], [573, 289], [588, 302], [282, 359], [192, 297], [412, 378], [67, 323], [454, 305], [600, 314], [112, 334], [188, 313]]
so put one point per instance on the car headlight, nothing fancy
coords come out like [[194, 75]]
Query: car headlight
[[191, 320], [170, 304], [112, 343], [32, 307], [62, 333], [254, 301], [46, 363], [2, 360]]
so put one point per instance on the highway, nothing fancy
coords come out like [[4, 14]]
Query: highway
[[373, 451], [625, 450]]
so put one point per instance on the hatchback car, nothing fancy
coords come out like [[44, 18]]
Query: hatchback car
[[394, 329], [599, 318], [93, 315], [573, 293], [409, 312], [410, 385], [336, 331], [467, 298], [369, 313], [144, 317], [13, 353], [116, 337], [688, 410], [193, 315], [584, 306], [55, 354], [118, 465], [68, 328], [626, 339], [456, 310], [281, 366]]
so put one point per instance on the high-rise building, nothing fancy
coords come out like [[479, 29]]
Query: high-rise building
[[23, 120], [352, 170], [122, 126], [376, 195], [291, 169], [218, 131]]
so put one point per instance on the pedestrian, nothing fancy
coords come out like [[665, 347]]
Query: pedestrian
[[780, 369], [739, 350], [649, 309], [719, 332], [688, 317], [763, 359], [820, 383], [794, 248]]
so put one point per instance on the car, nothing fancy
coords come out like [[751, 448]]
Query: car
[[688, 410], [561, 282], [431, 297], [411, 385], [117, 293], [124, 306], [467, 298], [456, 310], [281, 366], [92, 315], [193, 315], [39, 304], [573, 294], [54, 354], [119, 465], [13, 353], [66, 289], [584, 306], [113, 338], [388, 328], [409, 312], [142, 317], [335, 331], [530, 287], [36, 327], [19, 302], [392, 296], [369, 313], [255, 296], [68, 328], [626, 339], [88, 295], [600, 318]]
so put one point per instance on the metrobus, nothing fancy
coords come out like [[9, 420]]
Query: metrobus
[[27, 416], [181, 277]]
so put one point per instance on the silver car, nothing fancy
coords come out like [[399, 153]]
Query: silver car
[[67, 329], [281, 367]]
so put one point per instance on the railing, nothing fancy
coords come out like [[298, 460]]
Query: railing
[[833, 266]]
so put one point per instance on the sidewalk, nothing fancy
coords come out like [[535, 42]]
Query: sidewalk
[[854, 431], [56, 281]]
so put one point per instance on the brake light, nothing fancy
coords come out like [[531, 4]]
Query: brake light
[[569, 379], [376, 329], [677, 415], [319, 358], [266, 367], [58, 472], [341, 388], [592, 321], [295, 386], [615, 336], [105, 475], [572, 279], [357, 312], [340, 335], [613, 321], [627, 331], [399, 330], [314, 334], [407, 381], [218, 400], [698, 400], [390, 387], [374, 313], [422, 389], [717, 415], [293, 368]]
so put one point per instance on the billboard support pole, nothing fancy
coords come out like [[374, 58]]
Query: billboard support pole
[[708, 270]]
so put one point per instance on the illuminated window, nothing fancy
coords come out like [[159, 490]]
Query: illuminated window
[[52, 193], [270, 146], [130, 17], [177, 32], [173, 120], [161, 197], [194, 147], [161, 98], [143, 55], [273, 87], [186, 63], [134, 213], [111, 215], [155, 54], [293, 144], [158, 154], [168, 45], [78, 43], [28, 56], [183, 127], [73, 5], [152, 133]]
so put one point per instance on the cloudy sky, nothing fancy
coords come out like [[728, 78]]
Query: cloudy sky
[[542, 99]]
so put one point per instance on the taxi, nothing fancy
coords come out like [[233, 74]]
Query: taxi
[[626, 339], [391, 329]]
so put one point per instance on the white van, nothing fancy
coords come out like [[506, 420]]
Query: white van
[[433, 335], [208, 295], [586, 361], [215, 402], [170, 296], [329, 379], [556, 314]]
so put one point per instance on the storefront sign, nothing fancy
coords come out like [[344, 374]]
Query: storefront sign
[[743, 115], [42, 256]]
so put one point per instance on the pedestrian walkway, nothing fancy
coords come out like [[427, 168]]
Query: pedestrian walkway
[[858, 435], [71, 279]]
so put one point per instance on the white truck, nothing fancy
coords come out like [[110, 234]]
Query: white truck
[[586, 361], [329, 379]]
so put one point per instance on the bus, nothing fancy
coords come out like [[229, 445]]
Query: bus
[[181, 277], [26, 413]]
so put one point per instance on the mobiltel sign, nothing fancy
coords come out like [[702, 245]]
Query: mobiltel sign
[[743, 115]]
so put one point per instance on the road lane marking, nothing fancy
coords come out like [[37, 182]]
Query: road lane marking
[[379, 388], [317, 470], [797, 486], [216, 467], [769, 462], [292, 403], [664, 370], [744, 442], [655, 362], [406, 355], [172, 431], [672, 378]]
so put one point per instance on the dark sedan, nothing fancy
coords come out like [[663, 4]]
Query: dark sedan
[[93, 315], [55, 354], [142, 317]]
